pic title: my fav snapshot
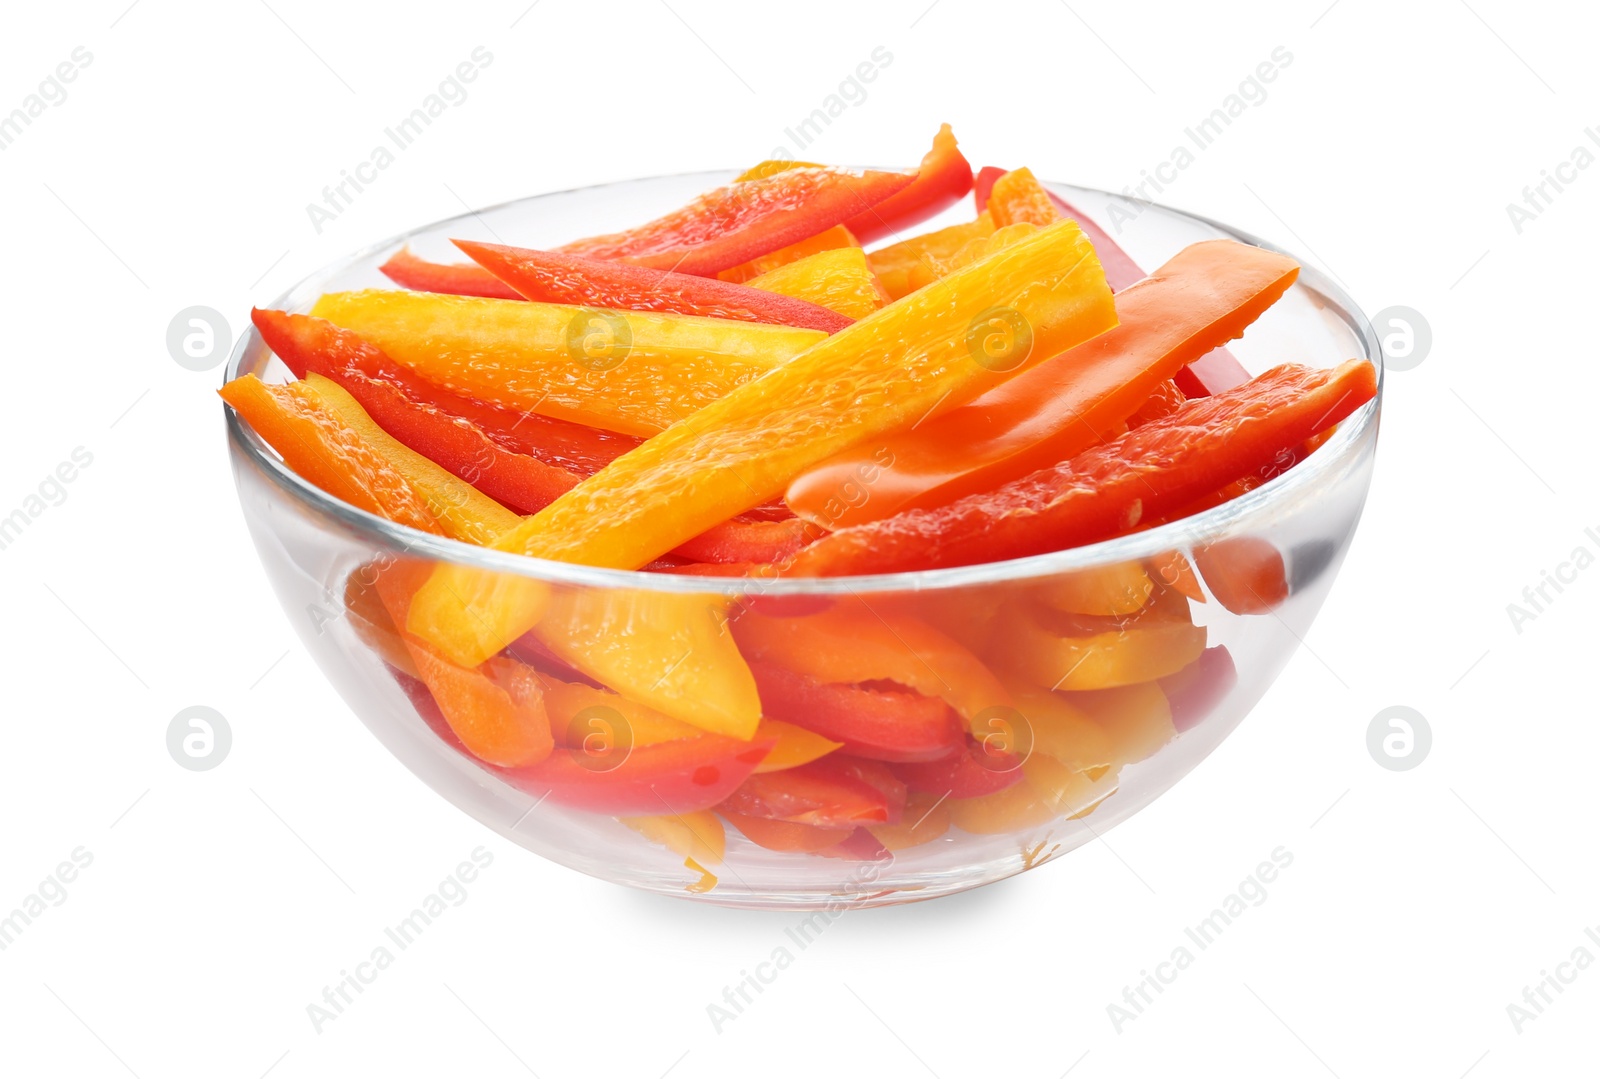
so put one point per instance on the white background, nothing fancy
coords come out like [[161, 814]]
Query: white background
[[219, 904]]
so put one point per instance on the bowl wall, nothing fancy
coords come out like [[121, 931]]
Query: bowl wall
[[1140, 703]]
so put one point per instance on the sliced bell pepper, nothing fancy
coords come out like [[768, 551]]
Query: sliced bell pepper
[[926, 818], [463, 512], [456, 279], [604, 724], [970, 772], [1056, 728], [1196, 691], [743, 220], [697, 835], [909, 265], [1120, 588], [636, 372], [859, 846], [982, 184], [1164, 400], [1121, 270], [943, 179], [793, 746], [670, 777], [1017, 197], [471, 439], [1212, 373], [772, 166], [1245, 573], [668, 651], [838, 279], [557, 277], [854, 643], [828, 793], [1152, 469], [877, 374], [837, 238], [782, 835], [879, 723], [1141, 652], [1137, 718], [1206, 294], [322, 448]]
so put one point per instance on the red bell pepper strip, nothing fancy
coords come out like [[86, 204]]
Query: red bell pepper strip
[[1208, 293], [471, 439], [457, 279], [1194, 692], [943, 178], [1212, 373], [823, 793], [859, 846], [878, 723], [1163, 465], [784, 835], [970, 772], [983, 183], [736, 223], [560, 277], [668, 777]]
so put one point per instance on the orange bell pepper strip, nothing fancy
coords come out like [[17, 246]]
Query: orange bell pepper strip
[[1121, 270], [912, 264], [1017, 197], [943, 179], [1137, 718], [496, 709], [837, 238], [745, 219], [793, 745], [668, 651], [1206, 294], [457, 279], [853, 642], [697, 835], [636, 372], [1161, 466], [838, 279], [556, 277], [790, 837], [926, 818], [881, 373], [1164, 400], [1139, 653], [1119, 589]]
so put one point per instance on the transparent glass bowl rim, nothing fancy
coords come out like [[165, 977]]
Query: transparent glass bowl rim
[[1327, 459]]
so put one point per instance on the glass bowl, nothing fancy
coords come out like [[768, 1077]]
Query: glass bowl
[[1163, 639]]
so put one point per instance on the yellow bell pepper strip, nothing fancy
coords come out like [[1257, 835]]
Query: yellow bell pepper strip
[[1137, 718], [1144, 650], [883, 372], [912, 264], [599, 720], [697, 835], [1017, 196], [1117, 589], [463, 512], [1057, 728], [635, 372], [793, 745], [1208, 293], [668, 651], [926, 818], [746, 219], [834, 239], [838, 279], [854, 642]]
